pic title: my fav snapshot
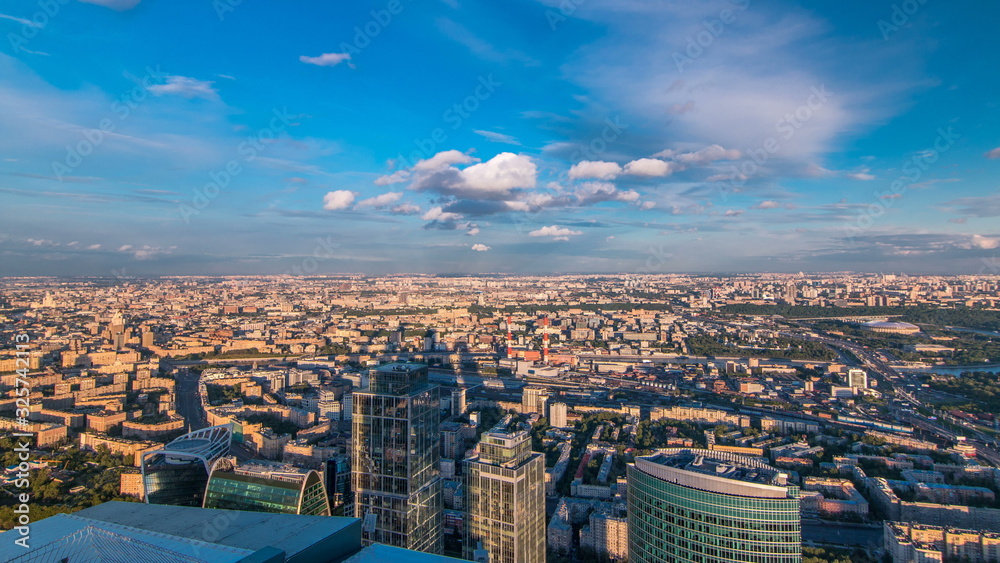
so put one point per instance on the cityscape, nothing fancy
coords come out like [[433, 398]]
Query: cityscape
[[538, 281]]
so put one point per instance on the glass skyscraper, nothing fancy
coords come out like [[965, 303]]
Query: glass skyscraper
[[690, 505], [505, 498], [394, 459], [177, 473], [266, 487]]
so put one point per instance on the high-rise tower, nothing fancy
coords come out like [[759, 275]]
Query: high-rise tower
[[505, 496], [394, 459], [713, 507]]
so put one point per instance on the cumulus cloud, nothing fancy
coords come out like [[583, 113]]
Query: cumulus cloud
[[444, 159], [993, 154], [554, 231], [186, 87], [338, 199], [439, 214], [595, 169], [490, 180], [767, 204], [94, 247], [394, 178], [480, 247], [326, 59], [381, 201], [984, 243], [648, 167]]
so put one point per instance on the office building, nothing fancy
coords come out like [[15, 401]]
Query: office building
[[711, 506], [505, 498], [857, 378], [260, 486], [394, 459], [178, 473]]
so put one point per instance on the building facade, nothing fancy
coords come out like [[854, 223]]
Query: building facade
[[394, 459], [266, 487], [178, 473], [692, 505], [505, 498]]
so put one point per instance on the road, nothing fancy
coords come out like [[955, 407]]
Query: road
[[188, 401]]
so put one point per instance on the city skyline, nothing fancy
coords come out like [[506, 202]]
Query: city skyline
[[536, 137]]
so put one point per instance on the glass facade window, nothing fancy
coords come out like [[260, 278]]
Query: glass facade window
[[395, 456], [670, 520], [178, 473]]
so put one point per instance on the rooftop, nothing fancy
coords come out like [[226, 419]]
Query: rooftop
[[727, 468]]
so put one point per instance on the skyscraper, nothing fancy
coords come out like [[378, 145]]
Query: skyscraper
[[394, 461], [711, 507], [262, 486], [177, 473], [505, 498]]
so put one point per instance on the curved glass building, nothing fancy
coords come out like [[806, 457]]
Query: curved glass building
[[266, 487], [178, 473], [692, 505]]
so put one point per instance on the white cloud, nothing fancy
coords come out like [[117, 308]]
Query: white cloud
[[186, 87], [125, 248], [94, 247], [554, 231], [861, 176], [444, 159], [503, 172], [339, 199], [993, 154], [480, 247], [768, 204], [438, 214], [326, 59], [595, 169], [394, 178], [497, 137], [119, 5], [985, 243], [707, 155], [382, 200], [648, 167]]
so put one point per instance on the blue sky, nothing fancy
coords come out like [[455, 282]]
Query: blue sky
[[448, 136]]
